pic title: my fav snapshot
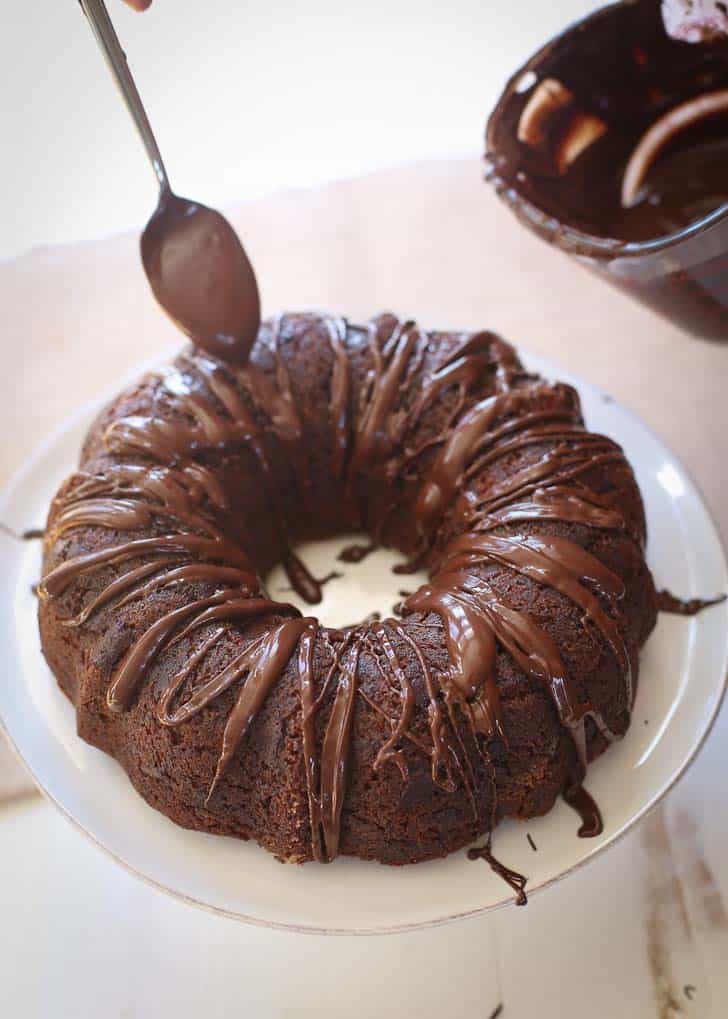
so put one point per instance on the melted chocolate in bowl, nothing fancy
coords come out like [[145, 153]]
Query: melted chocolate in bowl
[[589, 96], [201, 276], [685, 184]]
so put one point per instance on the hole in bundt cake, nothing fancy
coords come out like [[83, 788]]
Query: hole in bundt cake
[[357, 589]]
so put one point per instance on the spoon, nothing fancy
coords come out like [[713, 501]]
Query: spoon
[[194, 261]]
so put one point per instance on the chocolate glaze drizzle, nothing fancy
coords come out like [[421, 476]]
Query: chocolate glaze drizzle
[[355, 553], [162, 505], [512, 878], [591, 819], [667, 602], [28, 535]]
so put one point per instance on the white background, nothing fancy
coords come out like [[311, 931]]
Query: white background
[[246, 97]]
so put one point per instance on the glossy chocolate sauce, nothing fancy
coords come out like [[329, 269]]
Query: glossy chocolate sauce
[[201, 276], [31, 534], [355, 553], [591, 818], [512, 878], [593, 93], [667, 602], [686, 183]]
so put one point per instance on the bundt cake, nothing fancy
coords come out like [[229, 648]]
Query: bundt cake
[[397, 740]]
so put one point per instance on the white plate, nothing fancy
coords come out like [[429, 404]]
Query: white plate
[[681, 685]]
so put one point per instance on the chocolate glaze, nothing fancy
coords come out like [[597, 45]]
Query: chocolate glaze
[[155, 478], [355, 553], [591, 819], [511, 877], [667, 602], [29, 535], [201, 276]]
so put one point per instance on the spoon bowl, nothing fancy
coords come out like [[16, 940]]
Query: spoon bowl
[[200, 274]]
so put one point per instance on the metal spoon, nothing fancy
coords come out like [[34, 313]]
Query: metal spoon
[[194, 261]]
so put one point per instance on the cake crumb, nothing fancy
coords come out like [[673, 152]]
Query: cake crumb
[[531, 843]]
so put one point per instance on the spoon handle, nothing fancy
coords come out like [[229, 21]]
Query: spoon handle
[[106, 37]]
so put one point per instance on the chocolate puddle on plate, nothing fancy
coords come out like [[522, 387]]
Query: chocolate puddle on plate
[[31, 534], [668, 602]]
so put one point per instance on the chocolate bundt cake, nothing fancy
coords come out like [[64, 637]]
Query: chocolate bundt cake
[[397, 740]]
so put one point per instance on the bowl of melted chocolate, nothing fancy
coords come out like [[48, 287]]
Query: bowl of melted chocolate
[[612, 143]]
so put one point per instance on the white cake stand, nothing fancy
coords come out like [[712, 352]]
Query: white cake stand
[[682, 682]]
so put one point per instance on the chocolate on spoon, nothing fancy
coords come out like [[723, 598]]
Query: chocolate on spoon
[[194, 261], [200, 274]]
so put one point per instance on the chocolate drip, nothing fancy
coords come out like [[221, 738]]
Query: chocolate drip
[[264, 663], [512, 878], [591, 819], [443, 753], [468, 438], [57, 580], [327, 577], [375, 439], [389, 750], [310, 756], [553, 503], [28, 535], [355, 553], [227, 606], [335, 753], [339, 396], [560, 564], [302, 580], [474, 619], [667, 602]]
